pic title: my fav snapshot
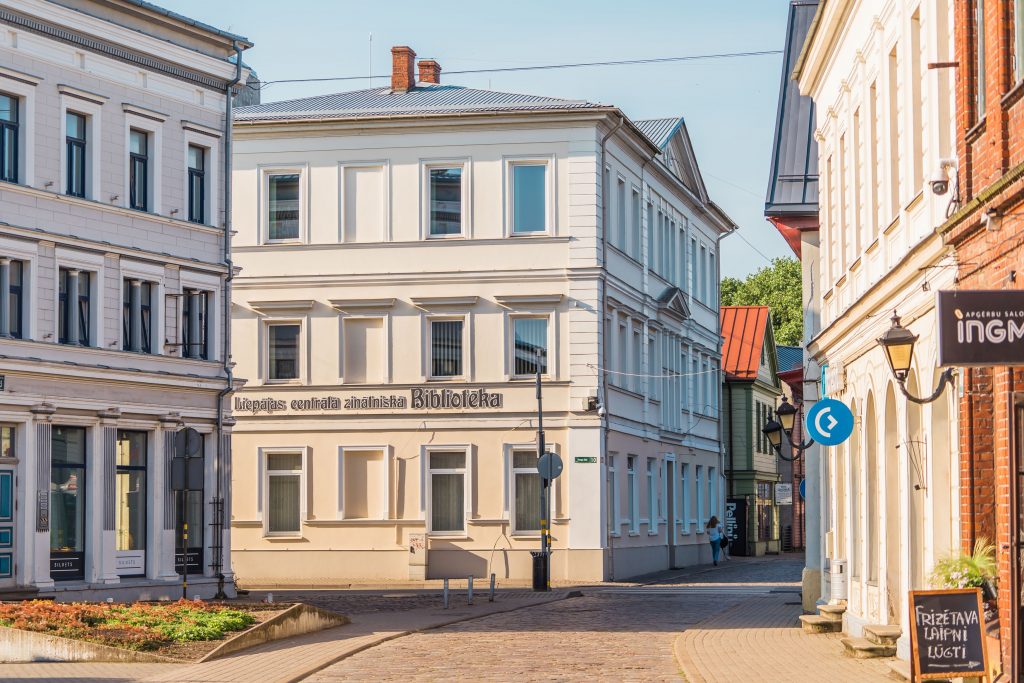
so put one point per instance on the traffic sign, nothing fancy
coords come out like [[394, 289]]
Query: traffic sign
[[829, 422], [549, 466], [803, 489]]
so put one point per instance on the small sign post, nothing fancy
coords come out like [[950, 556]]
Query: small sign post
[[947, 634]]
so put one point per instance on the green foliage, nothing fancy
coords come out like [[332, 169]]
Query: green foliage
[[135, 626], [777, 286], [967, 571]]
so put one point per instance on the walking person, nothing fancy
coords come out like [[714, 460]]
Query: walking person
[[715, 535]]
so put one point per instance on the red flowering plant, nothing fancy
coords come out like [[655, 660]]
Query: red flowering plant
[[135, 626]]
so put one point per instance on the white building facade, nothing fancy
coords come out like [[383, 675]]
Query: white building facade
[[884, 128], [113, 268], [406, 252]]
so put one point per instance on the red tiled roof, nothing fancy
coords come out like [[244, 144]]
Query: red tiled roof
[[743, 330]]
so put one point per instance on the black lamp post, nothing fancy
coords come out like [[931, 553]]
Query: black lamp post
[[898, 344], [780, 432]]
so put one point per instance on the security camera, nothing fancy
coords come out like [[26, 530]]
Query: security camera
[[940, 179], [600, 410]]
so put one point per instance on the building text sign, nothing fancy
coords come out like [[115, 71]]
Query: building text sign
[[417, 399], [981, 327]]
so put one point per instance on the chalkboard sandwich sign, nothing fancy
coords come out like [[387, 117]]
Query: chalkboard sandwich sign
[[947, 638]]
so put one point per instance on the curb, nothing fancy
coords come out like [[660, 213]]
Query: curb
[[400, 634]]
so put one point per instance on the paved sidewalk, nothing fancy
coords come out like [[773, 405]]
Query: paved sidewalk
[[287, 660], [760, 640]]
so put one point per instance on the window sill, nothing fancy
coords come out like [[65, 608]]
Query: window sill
[[1013, 95], [282, 382], [616, 534], [975, 132], [537, 233], [634, 533], [654, 533], [442, 536], [460, 236], [527, 536], [284, 537]]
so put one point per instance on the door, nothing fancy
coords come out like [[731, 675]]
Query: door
[[130, 489], [8, 507], [1017, 535], [670, 510]]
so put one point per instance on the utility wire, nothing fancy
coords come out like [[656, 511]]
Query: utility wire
[[546, 67]]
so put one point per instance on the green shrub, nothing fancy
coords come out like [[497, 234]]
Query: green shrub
[[967, 571]]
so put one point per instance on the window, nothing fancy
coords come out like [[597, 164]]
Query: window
[[530, 346], [526, 492], [631, 483], [8, 138], [188, 509], [75, 141], [529, 198], [447, 491], [74, 304], [365, 351], [765, 512], [283, 351], [917, 78], [620, 205], [699, 481], [703, 275], [894, 138], [445, 201], [195, 324], [138, 170], [684, 496], [196, 184], [693, 267], [284, 494], [446, 348], [1018, 40], [364, 204], [363, 489], [131, 498], [979, 60], [636, 362], [67, 503], [137, 316], [635, 232], [622, 376], [650, 236], [876, 160], [12, 304], [652, 496], [612, 494], [712, 488], [7, 447], [283, 218]]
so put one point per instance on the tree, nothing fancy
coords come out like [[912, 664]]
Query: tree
[[778, 287]]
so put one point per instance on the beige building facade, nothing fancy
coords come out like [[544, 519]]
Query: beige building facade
[[113, 277], [409, 255]]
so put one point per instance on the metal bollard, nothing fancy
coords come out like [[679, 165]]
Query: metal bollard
[[491, 598], [470, 589], [445, 597]]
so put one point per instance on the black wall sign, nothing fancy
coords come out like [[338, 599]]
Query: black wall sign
[[736, 525], [195, 559], [66, 566], [947, 639], [981, 327]]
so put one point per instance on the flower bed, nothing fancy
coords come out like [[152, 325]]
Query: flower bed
[[164, 627]]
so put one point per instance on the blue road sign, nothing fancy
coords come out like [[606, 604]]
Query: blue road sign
[[829, 422], [803, 489]]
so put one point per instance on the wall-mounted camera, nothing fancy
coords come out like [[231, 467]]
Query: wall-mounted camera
[[940, 179]]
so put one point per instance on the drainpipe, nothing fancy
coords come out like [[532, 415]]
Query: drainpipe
[[226, 324], [719, 375], [602, 312], [732, 449]]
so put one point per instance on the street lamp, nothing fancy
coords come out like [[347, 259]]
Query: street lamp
[[898, 344], [780, 432]]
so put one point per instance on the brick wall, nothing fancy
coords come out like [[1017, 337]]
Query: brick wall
[[990, 146]]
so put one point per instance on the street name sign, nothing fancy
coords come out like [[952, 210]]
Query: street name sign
[[947, 634], [829, 422], [981, 327], [585, 458]]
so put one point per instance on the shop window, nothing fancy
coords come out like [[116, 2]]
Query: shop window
[[447, 477], [765, 512], [67, 503], [188, 509], [131, 502]]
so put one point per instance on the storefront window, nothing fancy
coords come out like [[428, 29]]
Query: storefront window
[[67, 504], [765, 512], [188, 506], [131, 502]]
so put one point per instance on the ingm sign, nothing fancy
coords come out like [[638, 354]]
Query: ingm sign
[[981, 327]]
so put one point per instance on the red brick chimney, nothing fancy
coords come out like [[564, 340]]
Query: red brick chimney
[[430, 71], [403, 59]]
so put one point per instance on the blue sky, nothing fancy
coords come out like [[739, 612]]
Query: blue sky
[[729, 104]]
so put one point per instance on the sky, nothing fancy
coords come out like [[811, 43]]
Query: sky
[[729, 104]]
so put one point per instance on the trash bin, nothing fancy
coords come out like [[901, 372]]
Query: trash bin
[[837, 569], [540, 570]]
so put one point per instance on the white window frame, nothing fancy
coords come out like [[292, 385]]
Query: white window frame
[[385, 319], [265, 172], [385, 170], [211, 284], [386, 457], [428, 337], [509, 490], [263, 513], [510, 346], [426, 482], [634, 490], [23, 86], [93, 140], [683, 511], [426, 165], [210, 144], [698, 475], [28, 254], [712, 491], [155, 275], [265, 325], [651, 471], [635, 242], [154, 159], [621, 215], [95, 265], [616, 529], [509, 163]]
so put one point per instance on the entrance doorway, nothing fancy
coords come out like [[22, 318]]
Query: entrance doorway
[[8, 490], [670, 511], [1017, 535]]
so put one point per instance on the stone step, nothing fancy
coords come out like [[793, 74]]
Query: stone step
[[862, 648], [880, 634], [814, 623], [899, 670], [832, 612]]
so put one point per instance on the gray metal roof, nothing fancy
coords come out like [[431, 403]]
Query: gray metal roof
[[188, 20], [793, 184], [424, 99], [659, 131], [790, 357]]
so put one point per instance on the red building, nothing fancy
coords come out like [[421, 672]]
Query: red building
[[986, 229]]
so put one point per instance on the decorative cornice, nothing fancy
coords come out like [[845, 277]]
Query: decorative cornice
[[78, 93], [113, 413], [444, 302], [43, 409], [143, 112], [536, 300], [200, 128], [20, 76], [362, 304], [276, 306]]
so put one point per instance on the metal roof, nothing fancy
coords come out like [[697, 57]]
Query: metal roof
[[425, 98], [790, 357], [743, 332], [793, 185], [188, 20], [659, 131]]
